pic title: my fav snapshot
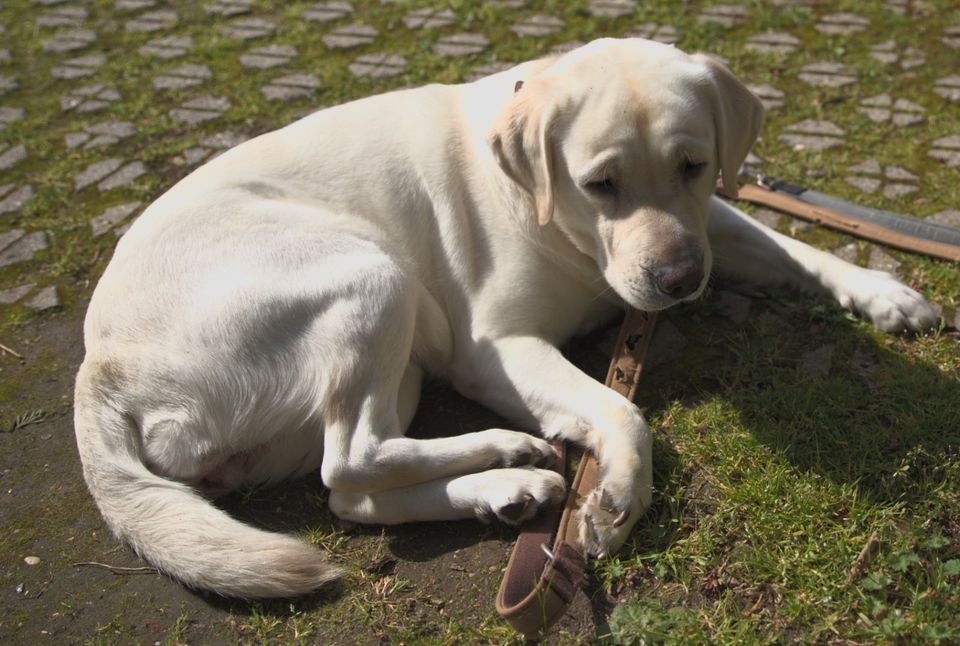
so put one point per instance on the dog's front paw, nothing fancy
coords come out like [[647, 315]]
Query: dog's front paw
[[605, 519], [889, 304], [515, 495], [516, 449]]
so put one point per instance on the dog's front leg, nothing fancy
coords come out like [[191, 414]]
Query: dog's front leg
[[530, 380]]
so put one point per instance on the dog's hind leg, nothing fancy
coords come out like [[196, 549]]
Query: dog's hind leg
[[508, 495]]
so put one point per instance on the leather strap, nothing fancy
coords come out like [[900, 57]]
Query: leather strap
[[548, 563], [841, 222]]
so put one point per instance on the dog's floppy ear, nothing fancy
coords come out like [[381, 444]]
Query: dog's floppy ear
[[522, 143], [738, 117]]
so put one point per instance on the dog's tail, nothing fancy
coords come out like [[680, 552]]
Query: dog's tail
[[172, 526]]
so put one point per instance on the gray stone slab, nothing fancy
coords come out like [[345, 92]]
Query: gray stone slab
[[101, 134], [734, 306], [849, 252], [864, 184], [151, 21], [350, 36], [5, 56], [13, 199], [123, 177], [612, 8], [200, 109], [813, 134], [537, 25], [269, 56], [285, 92], [183, 77], [949, 217], [112, 217], [8, 84], [947, 150], [23, 248], [726, 15], [899, 173], [870, 167], [948, 87], [89, 98], [79, 67], [951, 36], [228, 8], [429, 18], [167, 47], [827, 74], [9, 156], [95, 172], [769, 96], [767, 217], [69, 40], [893, 191], [463, 44], [327, 11], [667, 345], [882, 261], [842, 24], [47, 298], [133, 5], [70, 16], [661, 33], [773, 42], [487, 69], [249, 28], [7, 238], [14, 294], [378, 65]]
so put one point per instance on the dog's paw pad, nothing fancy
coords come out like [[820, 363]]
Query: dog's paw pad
[[889, 304], [520, 493]]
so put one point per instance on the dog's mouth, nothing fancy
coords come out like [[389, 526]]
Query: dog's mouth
[[651, 290]]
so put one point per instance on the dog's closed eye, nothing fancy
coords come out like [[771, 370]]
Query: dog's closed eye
[[691, 170], [603, 187]]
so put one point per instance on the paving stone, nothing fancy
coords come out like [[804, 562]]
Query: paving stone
[[133, 5], [951, 36], [767, 217], [812, 134], [106, 133], [7, 238], [429, 18], [22, 247], [70, 16], [228, 8], [350, 36], [14, 294], [167, 47], [817, 363], [95, 172], [5, 56], [11, 155], [948, 87], [652, 31], [880, 260], [268, 56], [506, 4], [112, 217], [870, 177], [152, 21], [79, 67], [69, 40], [183, 77], [949, 217], [45, 299], [464, 44], [883, 108], [769, 96], [327, 11], [773, 42], [612, 8], [889, 52], [9, 114], [537, 25], [89, 98], [293, 86], [209, 147], [842, 24], [123, 177], [726, 15], [827, 74], [200, 109], [12, 199], [378, 65], [487, 69], [947, 150], [667, 345], [248, 28], [8, 84], [563, 48]]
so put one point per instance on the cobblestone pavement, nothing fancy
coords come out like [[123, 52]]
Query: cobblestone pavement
[[105, 104]]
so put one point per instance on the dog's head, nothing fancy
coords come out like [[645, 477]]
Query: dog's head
[[620, 143]]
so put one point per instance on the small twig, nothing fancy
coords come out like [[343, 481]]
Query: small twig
[[10, 350], [864, 557], [116, 569]]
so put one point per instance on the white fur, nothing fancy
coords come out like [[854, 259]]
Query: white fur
[[274, 312]]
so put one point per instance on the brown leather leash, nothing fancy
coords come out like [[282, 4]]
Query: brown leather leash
[[548, 562]]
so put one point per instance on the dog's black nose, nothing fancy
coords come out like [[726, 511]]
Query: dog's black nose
[[681, 279]]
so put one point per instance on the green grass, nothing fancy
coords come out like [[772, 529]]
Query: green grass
[[771, 478]]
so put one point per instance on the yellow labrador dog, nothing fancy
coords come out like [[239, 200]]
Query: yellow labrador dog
[[275, 311]]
